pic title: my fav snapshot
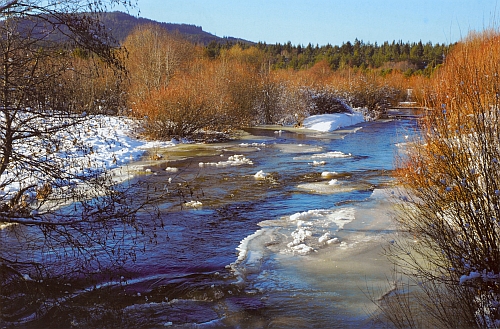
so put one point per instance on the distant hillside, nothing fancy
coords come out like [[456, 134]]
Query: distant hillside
[[121, 24]]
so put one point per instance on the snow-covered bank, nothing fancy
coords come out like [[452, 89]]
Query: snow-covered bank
[[112, 141], [97, 144], [331, 122]]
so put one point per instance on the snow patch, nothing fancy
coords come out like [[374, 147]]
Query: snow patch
[[193, 204], [331, 122], [318, 163], [252, 145], [483, 275]]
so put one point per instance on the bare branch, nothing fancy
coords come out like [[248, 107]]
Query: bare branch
[[8, 5]]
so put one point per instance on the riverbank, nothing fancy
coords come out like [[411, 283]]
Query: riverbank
[[117, 144]]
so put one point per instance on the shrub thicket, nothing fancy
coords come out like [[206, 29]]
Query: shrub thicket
[[182, 89], [451, 200]]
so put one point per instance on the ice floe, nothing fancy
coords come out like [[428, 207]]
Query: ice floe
[[260, 175], [233, 160]]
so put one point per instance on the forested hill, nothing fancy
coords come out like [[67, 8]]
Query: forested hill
[[408, 57], [121, 24]]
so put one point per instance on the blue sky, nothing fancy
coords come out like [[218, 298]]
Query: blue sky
[[330, 21]]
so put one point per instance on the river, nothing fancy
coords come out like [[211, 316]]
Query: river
[[282, 229]]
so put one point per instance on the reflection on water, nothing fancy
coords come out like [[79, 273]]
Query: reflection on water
[[296, 246]]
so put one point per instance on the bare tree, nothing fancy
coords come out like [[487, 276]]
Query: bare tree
[[154, 57], [60, 217]]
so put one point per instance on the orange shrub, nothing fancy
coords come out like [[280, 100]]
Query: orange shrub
[[169, 76], [154, 57], [212, 95], [451, 177]]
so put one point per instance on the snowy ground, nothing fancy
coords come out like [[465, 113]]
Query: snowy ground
[[112, 138], [113, 141], [104, 143]]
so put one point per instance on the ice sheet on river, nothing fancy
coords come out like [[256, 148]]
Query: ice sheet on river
[[298, 148], [300, 234], [333, 186], [323, 156], [319, 230]]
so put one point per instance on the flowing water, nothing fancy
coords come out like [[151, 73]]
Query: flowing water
[[281, 229]]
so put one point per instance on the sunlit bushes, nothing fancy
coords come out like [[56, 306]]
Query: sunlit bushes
[[373, 92], [176, 111], [211, 96], [369, 90], [179, 92], [154, 57], [279, 99], [182, 90], [451, 201], [93, 86]]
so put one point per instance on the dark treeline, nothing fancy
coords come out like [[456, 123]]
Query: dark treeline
[[409, 58]]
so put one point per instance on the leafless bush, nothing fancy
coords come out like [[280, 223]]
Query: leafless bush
[[451, 188], [372, 92]]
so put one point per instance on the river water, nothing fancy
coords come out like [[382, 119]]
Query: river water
[[279, 229]]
